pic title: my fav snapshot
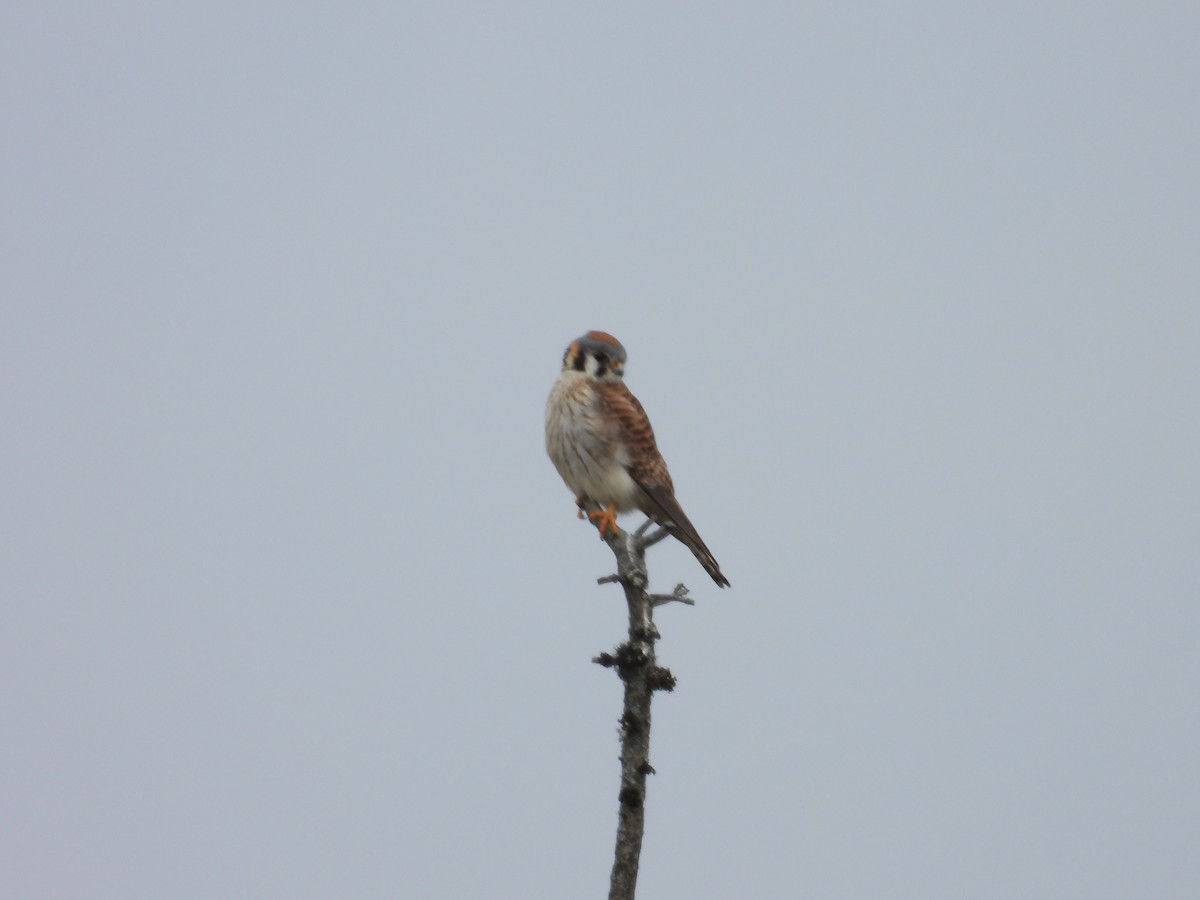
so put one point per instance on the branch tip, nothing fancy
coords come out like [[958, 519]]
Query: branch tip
[[679, 595]]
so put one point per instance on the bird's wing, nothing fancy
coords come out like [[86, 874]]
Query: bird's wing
[[649, 470], [635, 434]]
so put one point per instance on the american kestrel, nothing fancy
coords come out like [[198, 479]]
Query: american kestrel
[[601, 442]]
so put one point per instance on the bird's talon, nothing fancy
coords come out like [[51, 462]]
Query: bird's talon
[[605, 520]]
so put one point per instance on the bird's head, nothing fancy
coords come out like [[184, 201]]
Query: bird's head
[[598, 355]]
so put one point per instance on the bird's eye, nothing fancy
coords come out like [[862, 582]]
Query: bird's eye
[[602, 359]]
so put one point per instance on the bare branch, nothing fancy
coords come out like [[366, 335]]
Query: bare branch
[[636, 664]]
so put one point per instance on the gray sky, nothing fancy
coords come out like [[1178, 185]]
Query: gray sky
[[294, 604]]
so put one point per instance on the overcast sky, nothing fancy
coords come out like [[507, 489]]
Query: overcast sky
[[294, 604]]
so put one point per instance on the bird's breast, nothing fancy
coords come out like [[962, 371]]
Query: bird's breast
[[585, 445]]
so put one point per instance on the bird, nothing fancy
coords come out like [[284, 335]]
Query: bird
[[600, 440]]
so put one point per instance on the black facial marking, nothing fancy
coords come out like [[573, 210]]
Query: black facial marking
[[601, 364], [579, 362]]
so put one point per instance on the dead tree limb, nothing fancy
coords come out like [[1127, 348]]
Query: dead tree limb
[[638, 669]]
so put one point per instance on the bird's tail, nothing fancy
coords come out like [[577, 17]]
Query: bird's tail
[[692, 542], [671, 514]]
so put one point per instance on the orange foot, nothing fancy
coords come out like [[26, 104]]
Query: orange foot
[[605, 519]]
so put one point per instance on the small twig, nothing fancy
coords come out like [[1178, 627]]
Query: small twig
[[655, 537], [679, 595]]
